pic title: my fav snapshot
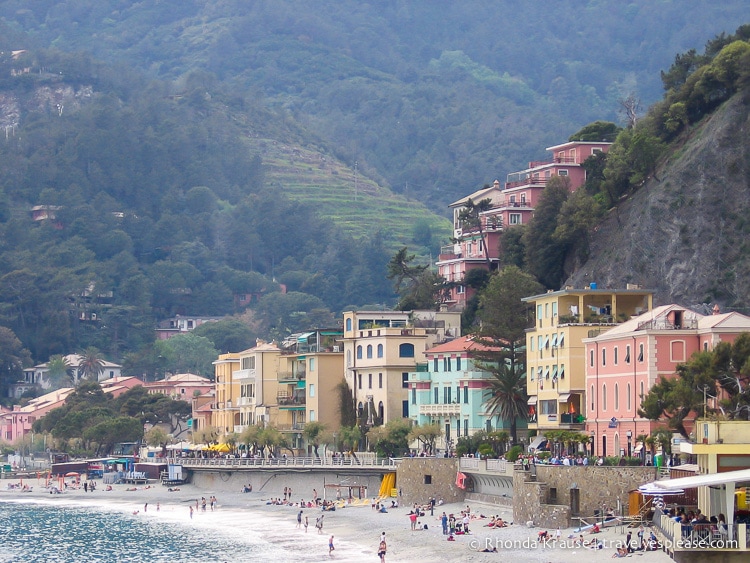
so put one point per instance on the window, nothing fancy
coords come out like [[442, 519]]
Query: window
[[405, 409], [248, 363], [628, 401], [428, 479], [369, 381], [604, 397], [348, 358], [312, 416], [311, 388], [348, 324], [458, 429], [435, 365], [705, 346], [406, 351], [677, 351], [617, 396], [460, 289], [359, 378], [311, 363], [539, 317], [466, 394], [562, 172], [458, 364], [405, 379], [592, 398], [523, 198], [548, 407], [591, 358], [369, 351], [640, 352], [380, 350], [380, 381], [359, 352], [458, 393], [437, 395], [466, 426], [414, 396], [642, 393], [615, 355], [515, 219], [627, 354], [604, 356]]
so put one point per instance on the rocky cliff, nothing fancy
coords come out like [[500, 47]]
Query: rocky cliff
[[686, 232]]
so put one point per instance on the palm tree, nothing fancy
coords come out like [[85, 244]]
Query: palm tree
[[315, 433], [91, 365], [59, 372], [506, 397]]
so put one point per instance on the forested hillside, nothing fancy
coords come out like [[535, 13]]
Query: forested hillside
[[430, 98]]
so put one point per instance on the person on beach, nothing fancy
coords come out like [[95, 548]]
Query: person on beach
[[285, 492], [145, 507], [330, 546], [305, 524], [413, 518], [382, 548], [191, 512], [299, 519], [444, 522]]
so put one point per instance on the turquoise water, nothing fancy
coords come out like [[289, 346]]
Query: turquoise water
[[60, 533]]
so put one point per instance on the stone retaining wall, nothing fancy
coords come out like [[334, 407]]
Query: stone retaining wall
[[547, 500], [419, 478]]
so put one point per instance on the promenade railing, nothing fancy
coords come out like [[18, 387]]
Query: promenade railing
[[292, 462]]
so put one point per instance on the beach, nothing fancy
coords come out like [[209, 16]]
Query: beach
[[356, 529]]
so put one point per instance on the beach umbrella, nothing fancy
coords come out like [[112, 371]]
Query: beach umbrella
[[223, 448], [72, 474]]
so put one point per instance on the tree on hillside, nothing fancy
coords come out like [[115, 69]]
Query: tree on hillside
[[470, 218], [13, 358], [187, 353], [545, 255], [598, 131], [91, 365], [59, 372], [418, 287], [227, 335]]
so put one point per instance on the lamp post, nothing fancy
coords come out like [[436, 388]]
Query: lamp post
[[593, 441], [630, 442]]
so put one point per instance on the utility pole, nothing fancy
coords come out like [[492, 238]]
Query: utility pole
[[355, 180]]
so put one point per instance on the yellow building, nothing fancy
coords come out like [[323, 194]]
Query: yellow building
[[556, 376], [257, 378], [310, 367], [381, 348], [720, 447], [225, 415]]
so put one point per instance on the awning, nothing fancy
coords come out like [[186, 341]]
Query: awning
[[554, 372], [304, 336], [460, 480], [538, 441], [637, 449], [564, 398], [651, 491], [561, 375], [711, 479], [554, 340], [532, 401], [546, 373]]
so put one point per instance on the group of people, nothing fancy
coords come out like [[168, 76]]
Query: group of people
[[697, 522]]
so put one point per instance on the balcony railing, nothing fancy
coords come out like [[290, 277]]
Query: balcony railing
[[291, 400], [222, 462], [292, 375], [440, 410], [296, 427]]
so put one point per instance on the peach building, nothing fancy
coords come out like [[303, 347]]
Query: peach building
[[624, 362]]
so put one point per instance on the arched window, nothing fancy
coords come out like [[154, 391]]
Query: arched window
[[369, 351], [348, 324], [380, 350], [617, 396], [629, 402], [406, 351], [604, 396], [592, 398], [359, 352], [381, 411]]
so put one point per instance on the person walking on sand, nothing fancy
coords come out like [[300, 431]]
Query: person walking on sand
[[191, 512], [382, 548], [330, 546], [299, 519], [305, 524]]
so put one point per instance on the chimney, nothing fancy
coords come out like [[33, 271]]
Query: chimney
[[716, 309]]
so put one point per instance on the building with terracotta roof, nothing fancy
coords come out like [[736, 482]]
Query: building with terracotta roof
[[625, 361], [451, 391], [181, 386]]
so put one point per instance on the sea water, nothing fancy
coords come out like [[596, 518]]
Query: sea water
[[35, 530]]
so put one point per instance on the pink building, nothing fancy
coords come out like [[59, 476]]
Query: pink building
[[511, 204], [17, 423], [181, 387], [623, 363]]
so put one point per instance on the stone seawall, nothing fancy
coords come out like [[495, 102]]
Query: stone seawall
[[272, 482], [560, 493], [420, 478]]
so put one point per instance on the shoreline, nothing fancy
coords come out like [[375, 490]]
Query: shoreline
[[356, 530]]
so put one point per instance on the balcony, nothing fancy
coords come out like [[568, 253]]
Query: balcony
[[243, 374], [291, 401], [440, 410], [292, 376], [246, 401], [295, 427]]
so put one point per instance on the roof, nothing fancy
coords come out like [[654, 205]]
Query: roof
[[707, 480], [732, 320], [632, 324], [461, 344], [585, 291], [476, 196], [187, 378]]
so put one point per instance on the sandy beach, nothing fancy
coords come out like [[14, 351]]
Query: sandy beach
[[356, 530]]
